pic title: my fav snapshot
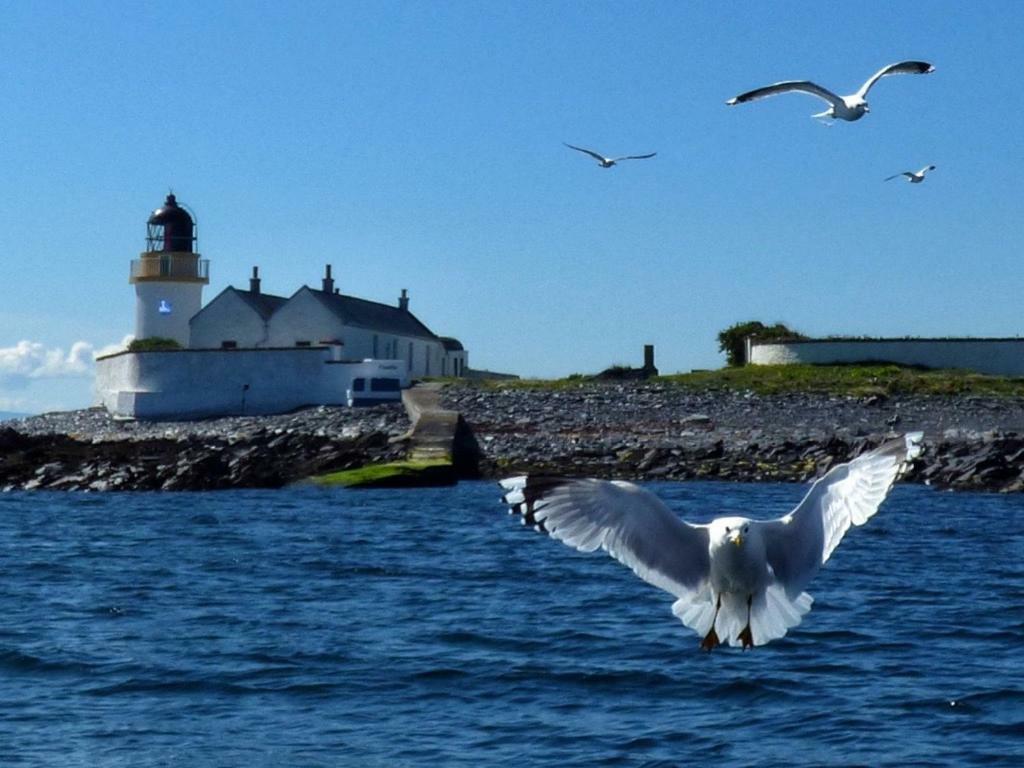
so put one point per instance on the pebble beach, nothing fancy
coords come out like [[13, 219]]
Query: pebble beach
[[629, 430]]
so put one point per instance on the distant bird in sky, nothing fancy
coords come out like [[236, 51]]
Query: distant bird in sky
[[914, 177], [852, 107], [608, 162], [735, 580]]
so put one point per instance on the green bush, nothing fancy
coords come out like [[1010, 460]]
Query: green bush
[[153, 344], [732, 341]]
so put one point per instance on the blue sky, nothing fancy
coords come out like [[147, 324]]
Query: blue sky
[[419, 145]]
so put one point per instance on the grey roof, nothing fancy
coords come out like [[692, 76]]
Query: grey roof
[[452, 344], [264, 303], [373, 315]]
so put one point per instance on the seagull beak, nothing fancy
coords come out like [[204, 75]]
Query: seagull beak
[[738, 541]]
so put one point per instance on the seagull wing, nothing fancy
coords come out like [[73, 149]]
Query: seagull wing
[[800, 86], [925, 170], [635, 157], [599, 158], [632, 525], [798, 544], [908, 174], [900, 68]]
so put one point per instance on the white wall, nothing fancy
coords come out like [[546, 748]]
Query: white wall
[[305, 318], [427, 354], [196, 383], [455, 362], [998, 357], [228, 318], [184, 300]]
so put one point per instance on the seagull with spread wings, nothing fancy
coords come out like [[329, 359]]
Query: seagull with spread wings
[[914, 177], [735, 580], [852, 107], [608, 162]]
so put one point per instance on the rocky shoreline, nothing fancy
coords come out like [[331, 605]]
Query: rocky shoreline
[[654, 431], [630, 430], [88, 450]]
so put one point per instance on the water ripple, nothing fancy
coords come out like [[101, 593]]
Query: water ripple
[[319, 627]]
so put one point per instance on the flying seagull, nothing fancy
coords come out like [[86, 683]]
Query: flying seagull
[[735, 580], [608, 162], [852, 107], [914, 177]]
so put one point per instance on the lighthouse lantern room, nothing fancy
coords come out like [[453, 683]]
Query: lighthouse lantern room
[[168, 276]]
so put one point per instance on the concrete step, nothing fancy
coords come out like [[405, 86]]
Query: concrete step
[[435, 433]]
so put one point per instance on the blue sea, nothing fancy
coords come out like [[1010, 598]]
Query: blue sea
[[313, 627]]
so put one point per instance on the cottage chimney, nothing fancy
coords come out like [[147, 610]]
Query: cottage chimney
[[403, 301], [254, 281], [328, 286]]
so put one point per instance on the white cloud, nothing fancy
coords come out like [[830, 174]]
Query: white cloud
[[30, 360]]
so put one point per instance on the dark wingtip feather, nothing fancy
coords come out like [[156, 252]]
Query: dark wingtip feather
[[533, 490]]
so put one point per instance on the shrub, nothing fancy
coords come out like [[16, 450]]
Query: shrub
[[153, 344], [732, 341]]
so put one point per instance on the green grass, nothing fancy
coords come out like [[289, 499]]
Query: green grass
[[852, 380], [391, 475], [575, 381]]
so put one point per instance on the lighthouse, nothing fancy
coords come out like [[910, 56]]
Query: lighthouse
[[168, 276]]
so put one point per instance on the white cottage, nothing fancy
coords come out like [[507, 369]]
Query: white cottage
[[308, 318], [249, 351], [235, 319]]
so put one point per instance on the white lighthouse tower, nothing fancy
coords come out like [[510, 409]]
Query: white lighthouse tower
[[168, 276]]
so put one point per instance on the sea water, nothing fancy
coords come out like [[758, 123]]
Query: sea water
[[311, 627]]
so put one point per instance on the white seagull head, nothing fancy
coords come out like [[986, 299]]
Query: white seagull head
[[851, 107], [729, 530]]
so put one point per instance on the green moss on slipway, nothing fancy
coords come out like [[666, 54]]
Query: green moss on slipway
[[395, 474]]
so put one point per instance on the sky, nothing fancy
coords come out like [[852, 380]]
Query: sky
[[419, 145]]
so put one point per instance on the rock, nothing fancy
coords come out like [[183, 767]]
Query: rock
[[698, 421], [97, 453]]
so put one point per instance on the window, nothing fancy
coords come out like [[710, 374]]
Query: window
[[410, 355], [358, 385], [376, 345], [385, 385], [229, 345]]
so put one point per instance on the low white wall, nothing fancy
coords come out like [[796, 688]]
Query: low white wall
[[197, 383], [998, 357]]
